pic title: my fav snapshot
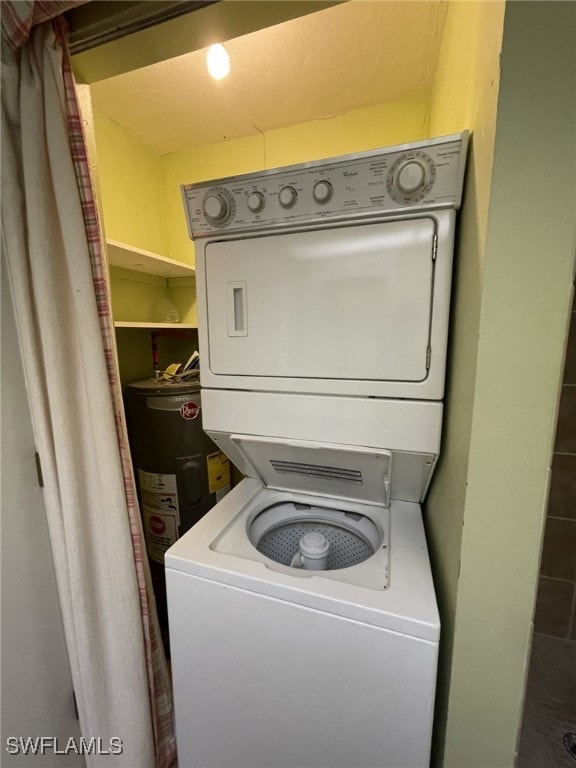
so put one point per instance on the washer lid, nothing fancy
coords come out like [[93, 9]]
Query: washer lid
[[327, 469]]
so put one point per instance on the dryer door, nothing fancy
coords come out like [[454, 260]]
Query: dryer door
[[349, 302]]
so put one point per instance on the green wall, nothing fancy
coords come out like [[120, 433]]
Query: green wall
[[523, 313], [465, 94]]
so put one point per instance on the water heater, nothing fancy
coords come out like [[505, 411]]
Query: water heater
[[180, 472]]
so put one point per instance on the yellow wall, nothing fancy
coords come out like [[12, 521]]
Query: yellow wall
[[130, 188], [135, 295], [362, 129], [135, 352], [131, 204]]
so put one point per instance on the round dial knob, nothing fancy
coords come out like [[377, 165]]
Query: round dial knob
[[287, 197], [216, 206], [411, 177], [322, 191], [255, 202]]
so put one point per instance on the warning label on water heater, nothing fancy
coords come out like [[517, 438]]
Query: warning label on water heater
[[218, 468], [161, 531], [160, 512]]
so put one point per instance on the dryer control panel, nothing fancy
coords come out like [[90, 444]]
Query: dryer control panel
[[422, 175]]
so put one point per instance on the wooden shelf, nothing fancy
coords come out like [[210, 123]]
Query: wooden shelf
[[152, 325], [129, 257]]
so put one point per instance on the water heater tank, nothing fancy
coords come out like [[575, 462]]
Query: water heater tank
[[180, 472]]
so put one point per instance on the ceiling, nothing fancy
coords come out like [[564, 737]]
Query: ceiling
[[353, 55]]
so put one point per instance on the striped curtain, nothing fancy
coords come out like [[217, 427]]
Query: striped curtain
[[50, 227]]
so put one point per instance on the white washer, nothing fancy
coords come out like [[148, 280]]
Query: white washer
[[323, 295]]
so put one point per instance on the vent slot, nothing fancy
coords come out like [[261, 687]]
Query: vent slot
[[353, 476]]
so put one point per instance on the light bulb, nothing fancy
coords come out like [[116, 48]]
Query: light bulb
[[217, 61]]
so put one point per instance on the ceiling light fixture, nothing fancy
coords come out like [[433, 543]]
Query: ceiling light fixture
[[217, 61]]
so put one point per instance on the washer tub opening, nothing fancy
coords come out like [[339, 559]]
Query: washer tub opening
[[277, 530]]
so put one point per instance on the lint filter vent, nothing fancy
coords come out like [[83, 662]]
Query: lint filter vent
[[317, 471]]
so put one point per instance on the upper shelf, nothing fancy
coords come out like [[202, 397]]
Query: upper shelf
[[129, 257], [152, 325]]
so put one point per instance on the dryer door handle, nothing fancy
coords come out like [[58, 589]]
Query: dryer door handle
[[236, 309]]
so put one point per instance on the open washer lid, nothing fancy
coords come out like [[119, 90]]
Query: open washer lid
[[326, 469]]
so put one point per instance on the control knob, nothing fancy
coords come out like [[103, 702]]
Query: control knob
[[411, 177], [287, 197], [322, 191], [217, 207], [255, 202]]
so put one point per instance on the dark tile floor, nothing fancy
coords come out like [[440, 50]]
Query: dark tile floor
[[550, 707]]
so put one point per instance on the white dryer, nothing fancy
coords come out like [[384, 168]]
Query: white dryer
[[303, 622]]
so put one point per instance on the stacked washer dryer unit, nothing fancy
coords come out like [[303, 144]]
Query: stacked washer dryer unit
[[303, 621]]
